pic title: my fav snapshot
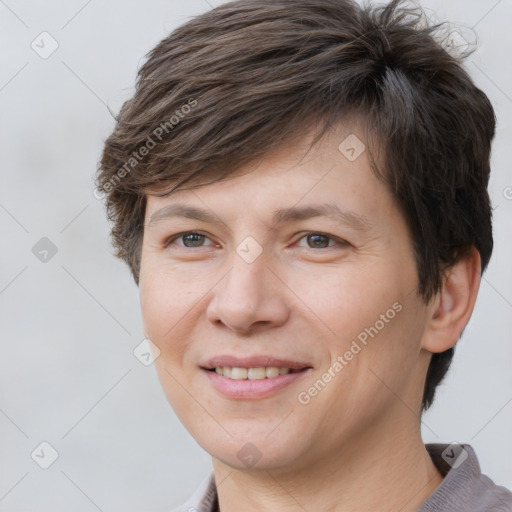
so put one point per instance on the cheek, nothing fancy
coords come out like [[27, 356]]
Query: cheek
[[369, 318], [164, 306], [172, 302], [347, 299], [164, 315]]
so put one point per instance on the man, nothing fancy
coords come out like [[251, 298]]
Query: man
[[300, 191]]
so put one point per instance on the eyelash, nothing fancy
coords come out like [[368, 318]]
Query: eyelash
[[170, 240]]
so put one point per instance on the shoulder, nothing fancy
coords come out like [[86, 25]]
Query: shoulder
[[203, 498], [464, 488], [493, 498]]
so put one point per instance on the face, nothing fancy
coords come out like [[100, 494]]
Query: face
[[284, 308]]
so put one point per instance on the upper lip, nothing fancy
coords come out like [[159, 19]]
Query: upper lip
[[253, 362]]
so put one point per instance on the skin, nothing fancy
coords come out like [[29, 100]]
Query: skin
[[356, 445]]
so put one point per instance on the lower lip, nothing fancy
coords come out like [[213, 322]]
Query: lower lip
[[253, 389]]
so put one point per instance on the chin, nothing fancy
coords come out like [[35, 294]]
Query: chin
[[252, 453]]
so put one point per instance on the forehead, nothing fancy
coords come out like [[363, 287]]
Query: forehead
[[332, 178]]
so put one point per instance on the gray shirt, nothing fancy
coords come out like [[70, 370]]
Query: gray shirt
[[463, 489]]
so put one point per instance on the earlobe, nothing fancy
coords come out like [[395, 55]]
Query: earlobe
[[453, 305]]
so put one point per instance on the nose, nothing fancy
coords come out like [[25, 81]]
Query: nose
[[249, 298]]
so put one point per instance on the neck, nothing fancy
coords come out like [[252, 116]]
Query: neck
[[393, 474]]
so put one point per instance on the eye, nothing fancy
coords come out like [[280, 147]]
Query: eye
[[321, 241], [190, 239]]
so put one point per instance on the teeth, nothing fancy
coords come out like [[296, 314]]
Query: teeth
[[272, 371], [258, 373], [239, 373]]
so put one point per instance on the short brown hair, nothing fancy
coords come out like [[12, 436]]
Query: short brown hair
[[249, 76]]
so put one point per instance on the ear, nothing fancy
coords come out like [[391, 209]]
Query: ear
[[453, 305]]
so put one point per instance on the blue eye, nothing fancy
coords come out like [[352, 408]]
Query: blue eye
[[318, 241], [321, 241], [195, 239], [190, 239]]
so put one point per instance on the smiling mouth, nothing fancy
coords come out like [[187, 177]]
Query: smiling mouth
[[254, 373]]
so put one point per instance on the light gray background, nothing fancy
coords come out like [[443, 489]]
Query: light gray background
[[68, 327]]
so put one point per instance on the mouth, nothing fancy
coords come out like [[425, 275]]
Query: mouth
[[254, 373], [252, 378]]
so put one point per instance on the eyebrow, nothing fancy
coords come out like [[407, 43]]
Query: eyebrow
[[281, 216]]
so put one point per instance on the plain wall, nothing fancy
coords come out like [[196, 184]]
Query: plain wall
[[69, 326]]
